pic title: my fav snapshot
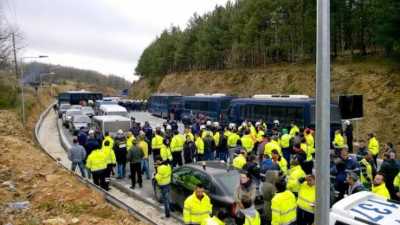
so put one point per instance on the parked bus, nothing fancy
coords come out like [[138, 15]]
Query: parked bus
[[76, 97], [299, 109], [162, 104], [214, 106]]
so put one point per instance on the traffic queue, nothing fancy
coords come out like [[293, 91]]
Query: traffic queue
[[276, 167]]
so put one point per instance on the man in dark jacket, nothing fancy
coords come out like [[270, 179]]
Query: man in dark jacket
[[349, 135], [120, 153], [91, 144], [222, 149], [135, 157], [189, 150], [82, 137], [390, 170], [353, 183], [209, 147]]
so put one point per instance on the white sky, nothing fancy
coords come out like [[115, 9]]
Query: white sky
[[103, 35]]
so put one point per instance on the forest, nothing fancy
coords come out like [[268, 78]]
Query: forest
[[255, 33]]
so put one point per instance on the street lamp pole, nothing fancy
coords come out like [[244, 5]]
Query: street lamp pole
[[323, 91], [22, 83]]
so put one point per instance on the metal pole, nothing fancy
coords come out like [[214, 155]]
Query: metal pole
[[15, 55], [22, 93], [323, 113]]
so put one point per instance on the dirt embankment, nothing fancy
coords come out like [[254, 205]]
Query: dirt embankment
[[379, 82], [53, 196]]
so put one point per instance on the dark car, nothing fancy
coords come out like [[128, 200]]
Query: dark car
[[79, 121], [219, 181]]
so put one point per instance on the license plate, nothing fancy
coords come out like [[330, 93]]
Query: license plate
[[378, 211]]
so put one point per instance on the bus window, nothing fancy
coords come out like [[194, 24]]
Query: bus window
[[296, 114], [261, 112], [225, 104]]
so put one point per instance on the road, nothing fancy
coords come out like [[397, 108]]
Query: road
[[50, 141]]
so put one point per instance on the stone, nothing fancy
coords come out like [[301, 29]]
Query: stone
[[55, 221]]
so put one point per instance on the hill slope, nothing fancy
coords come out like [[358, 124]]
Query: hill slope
[[378, 81]]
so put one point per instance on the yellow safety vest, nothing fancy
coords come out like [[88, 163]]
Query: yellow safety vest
[[195, 211], [200, 145], [129, 143], [363, 179], [338, 141], [247, 143], [177, 143], [163, 175], [310, 143], [283, 165], [216, 138], [373, 146], [396, 182], [283, 206], [294, 130], [306, 198], [110, 139], [307, 150], [271, 146], [165, 153], [145, 149], [157, 142], [260, 135], [212, 221], [239, 162], [285, 141], [110, 155], [295, 173], [252, 220], [381, 190], [96, 160], [232, 140], [190, 135]]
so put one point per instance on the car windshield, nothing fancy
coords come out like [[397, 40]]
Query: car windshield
[[81, 119], [229, 182]]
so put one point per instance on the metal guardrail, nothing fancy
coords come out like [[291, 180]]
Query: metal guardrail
[[108, 197]]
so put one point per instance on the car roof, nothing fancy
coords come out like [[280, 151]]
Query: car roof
[[113, 108], [111, 118], [212, 167]]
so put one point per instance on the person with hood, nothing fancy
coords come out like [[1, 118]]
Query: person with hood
[[268, 191], [165, 152], [120, 153], [353, 183], [189, 150], [245, 187], [248, 215]]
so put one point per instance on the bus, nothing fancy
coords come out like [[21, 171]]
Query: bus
[[299, 109], [214, 106], [76, 97], [161, 104]]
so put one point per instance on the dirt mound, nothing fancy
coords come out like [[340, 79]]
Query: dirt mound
[[378, 81]]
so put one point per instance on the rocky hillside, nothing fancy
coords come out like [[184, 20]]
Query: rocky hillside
[[378, 81]]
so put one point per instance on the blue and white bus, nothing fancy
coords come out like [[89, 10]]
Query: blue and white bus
[[162, 104], [299, 109], [76, 97], [214, 106]]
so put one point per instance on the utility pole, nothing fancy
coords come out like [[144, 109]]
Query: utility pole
[[15, 55], [323, 89]]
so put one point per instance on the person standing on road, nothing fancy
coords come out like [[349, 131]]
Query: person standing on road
[[199, 147], [373, 147], [145, 149], [135, 157], [209, 146], [91, 144], [306, 201], [283, 205], [177, 143], [189, 150], [82, 136], [97, 164], [197, 207], [156, 143], [110, 160], [163, 179], [120, 153], [348, 131], [77, 155], [390, 170]]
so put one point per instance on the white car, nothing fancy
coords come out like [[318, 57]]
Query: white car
[[67, 116], [365, 208]]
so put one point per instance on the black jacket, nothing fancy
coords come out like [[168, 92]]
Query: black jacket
[[120, 150]]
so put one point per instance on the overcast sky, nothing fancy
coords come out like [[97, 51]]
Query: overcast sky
[[103, 35]]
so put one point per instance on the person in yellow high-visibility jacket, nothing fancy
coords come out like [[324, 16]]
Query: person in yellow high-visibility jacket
[[129, 140], [197, 207], [379, 187], [177, 143], [285, 144], [306, 201], [163, 179], [240, 160], [156, 143], [271, 145], [165, 152], [283, 205], [373, 146], [97, 164], [278, 159], [110, 160], [247, 141], [188, 134], [295, 174], [108, 138], [309, 140], [338, 141], [222, 214], [294, 129], [199, 147]]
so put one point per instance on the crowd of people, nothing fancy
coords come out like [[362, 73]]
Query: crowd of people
[[276, 163]]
